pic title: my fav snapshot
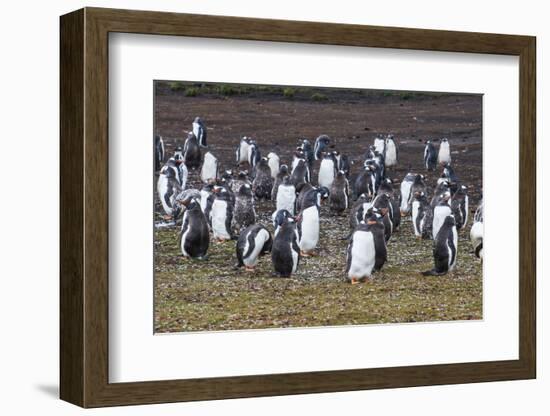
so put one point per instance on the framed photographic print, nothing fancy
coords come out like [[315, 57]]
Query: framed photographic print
[[256, 207]]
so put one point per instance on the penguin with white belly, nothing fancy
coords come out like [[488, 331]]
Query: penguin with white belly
[[199, 130], [286, 196], [159, 152], [380, 145], [476, 232], [168, 188], [285, 252], [327, 170], [253, 242], [422, 216], [339, 194], [241, 154], [430, 156], [194, 237], [386, 187], [366, 251], [460, 206], [279, 218], [220, 213], [205, 192], [192, 152], [417, 186], [392, 152], [383, 204], [244, 214], [406, 186], [308, 222], [283, 172], [445, 248], [263, 182], [441, 211], [273, 162], [307, 149], [358, 212], [321, 143], [443, 186], [444, 154], [209, 170]]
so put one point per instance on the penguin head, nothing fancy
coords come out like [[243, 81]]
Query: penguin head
[[245, 190], [444, 140], [283, 169], [281, 217], [197, 120], [324, 192], [449, 220]]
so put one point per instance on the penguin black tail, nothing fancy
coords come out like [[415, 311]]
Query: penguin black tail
[[432, 272]]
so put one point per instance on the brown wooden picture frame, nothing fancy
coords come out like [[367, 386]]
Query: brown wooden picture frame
[[84, 207]]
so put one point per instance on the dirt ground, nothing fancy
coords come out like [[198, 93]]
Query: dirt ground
[[213, 295]]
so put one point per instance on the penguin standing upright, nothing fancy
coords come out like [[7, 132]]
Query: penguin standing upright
[[366, 252], [365, 183], [476, 232], [244, 213], [168, 188], [205, 192], [358, 211], [445, 248], [199, 130], [417, 186], [263, 182], [300, 174], [301, 191], [386, 187], [253, 242], [283, 172], [194, 237], [344, 165], [308, 222], [279, 218], [422, 216], [460, 206], [209, 170], [285, 252], [430, 156], [307, 149], [406, 186], [182, 172], [192, 152], [380, 145], [273, 162], [239, 181], [444, 155], [221, 214], [443, 186], [241, 154], [321, 144], [392, 153], [339, 194], [298, 155], [159, 152], [327, 170], [383, 205], [286, 196], [441, 211], [254, 156]]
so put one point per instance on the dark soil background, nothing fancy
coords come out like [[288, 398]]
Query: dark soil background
[[212, 295]]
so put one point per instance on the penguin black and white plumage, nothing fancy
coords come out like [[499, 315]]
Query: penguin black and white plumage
[[365, 183], [444, 154], [344, 164], [307, 149], [441, 211], [392, 153], [339, 194], [205, 192], [239, 181], [286, 196], [253, 242], [263, 182], [199, 130], [449, 175], [476, 232], [159, 152], [443, 186], [327, 170], [430, 156], [321, 143], [308, 222], [377, 166], [359, 210], [386, 187], [369, 154], [460, 206], [194, 237], [380, 145], [366, 252], [422, 216], [279, 219], [406, 186], [254, 156], [168, 188], [285, 252], [241, 154], [301, 191], [192, 152], [179, 160], [383, 205], [244, 213], [209, 169], [445, 248], [300, 174], [283, 172], [273, 161], [417, 186], [221, 214]]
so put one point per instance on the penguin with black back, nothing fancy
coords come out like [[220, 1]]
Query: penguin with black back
[[422, 216], [365, 183], [285, 253], [263, 182], [321, 144], [443, 186], [168, 188], [301, 191], [383, 204], [445, 248], [441, 211], [199, 130], [192, 152], [254, 156], [430, 156], [307, 149], [386, 187], [418, 185], [244, 214], [283, 172], [339, 194], [460, 206], [159, 152], [194, 237], [279, 218], [358, 212], [253, 242], [300, 174]]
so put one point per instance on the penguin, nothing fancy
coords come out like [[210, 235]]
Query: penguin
[[376, 165], [478, 215], [392, 152], [285, 252], [386, 187], [383, 205], [307, 150], [298, 155], [418, 185], [283, 172], [279, 217], [159, 152], [321, 144], [273, 162], [220, 213], [460, 206], [199, 130], [209, 170], [300, 174], [327, 170], [449, 174], [344, 164], [445, 248], [380, 145], [366, 252], [286, 196], [301, 191], [182, 171], [444, 155], [441, 211], [241, 154], [205, 192], [194, 237], [308, 222], [253, 242], [339, 194], [358, 211], [422, 216], [365, 183], [430, 156], [254, 156], [244, 213], [263, 182], [406, 186], [369, 154], [476, 232], [192, 152], [239, 181], [168, 188], [443, 186]]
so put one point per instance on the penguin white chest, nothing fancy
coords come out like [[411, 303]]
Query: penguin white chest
[[273, 163], [379, 145], [162, 189], [204, 199], [405, 195], [415, 209], [242, 152], [295, 162], [440, 213], [363, 255], [197, 130], [252, 259], [184, 236], [310, 229], [454, 251], [286, 196], [209, 168], [219, 216], [444, 155], [326, 173], [391, 154]]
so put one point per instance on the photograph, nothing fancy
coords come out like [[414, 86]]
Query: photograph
[[279, 206]]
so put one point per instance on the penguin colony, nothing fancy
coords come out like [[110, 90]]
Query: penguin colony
[[224, 209]]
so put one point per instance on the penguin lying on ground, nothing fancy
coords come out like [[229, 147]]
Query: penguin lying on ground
[[253, 242], [194, 237], [244, 214], [445, 248], [285, 253]]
